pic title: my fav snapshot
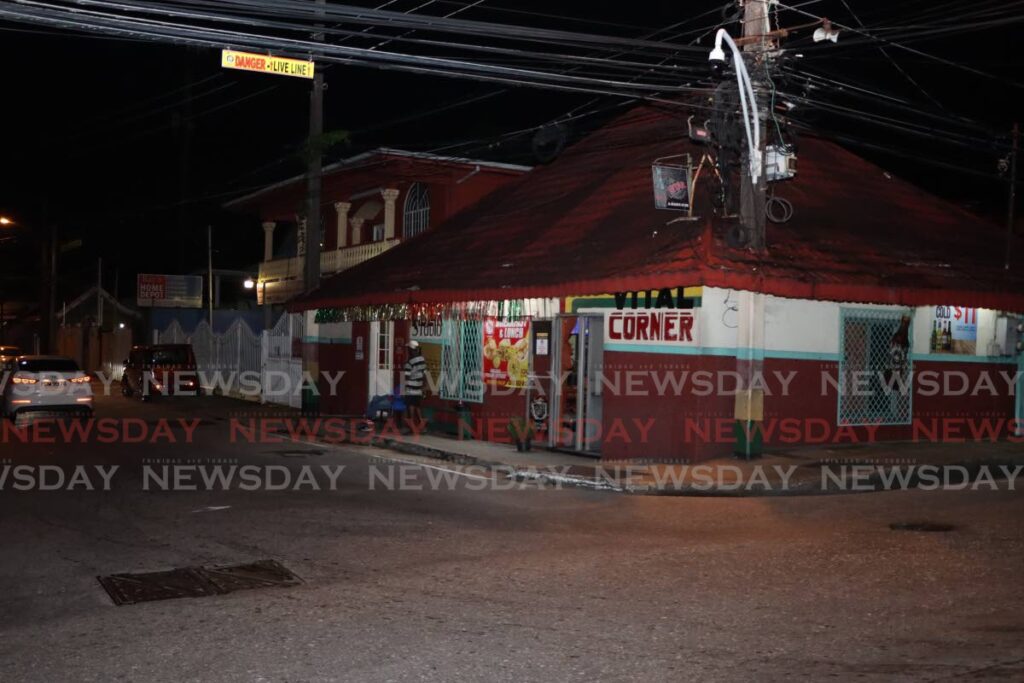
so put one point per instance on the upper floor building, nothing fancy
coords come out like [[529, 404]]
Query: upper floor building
[[370, 203]]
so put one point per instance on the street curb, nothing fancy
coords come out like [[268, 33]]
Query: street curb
[[875, 481]]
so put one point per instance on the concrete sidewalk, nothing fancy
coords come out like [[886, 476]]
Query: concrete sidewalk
[[790, 472]]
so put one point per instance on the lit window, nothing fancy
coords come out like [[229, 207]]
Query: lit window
[[417, 210]]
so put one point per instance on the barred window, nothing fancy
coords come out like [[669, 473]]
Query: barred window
[[462, 361], [417, 210], [875, 375]]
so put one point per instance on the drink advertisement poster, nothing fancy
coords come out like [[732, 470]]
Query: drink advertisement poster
[[506, 352], [954, 330]]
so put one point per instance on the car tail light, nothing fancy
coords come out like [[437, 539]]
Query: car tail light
[[84, 379], [24, 380]]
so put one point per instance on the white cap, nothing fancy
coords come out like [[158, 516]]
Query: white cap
[[413, 344]]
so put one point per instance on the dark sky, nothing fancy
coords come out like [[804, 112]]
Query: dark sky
[[132, 147]]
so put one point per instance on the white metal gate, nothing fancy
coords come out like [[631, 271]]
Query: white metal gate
[[228, 363], [282, 372]]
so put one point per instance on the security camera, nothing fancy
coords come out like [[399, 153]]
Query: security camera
[[716, 61]]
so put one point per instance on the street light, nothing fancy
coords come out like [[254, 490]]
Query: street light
[[248, 284], [4, 220]]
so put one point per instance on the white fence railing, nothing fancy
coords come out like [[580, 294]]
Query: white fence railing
[[281, 279], [232, 362]]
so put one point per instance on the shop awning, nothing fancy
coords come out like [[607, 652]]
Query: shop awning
[[586, 224]]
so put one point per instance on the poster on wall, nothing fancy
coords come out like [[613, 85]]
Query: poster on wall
[[506, 358], [672, 186], [954, 330]]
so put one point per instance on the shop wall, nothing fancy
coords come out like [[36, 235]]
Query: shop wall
[[644, 420], [802, 344]]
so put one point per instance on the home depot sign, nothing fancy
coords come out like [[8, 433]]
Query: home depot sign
[[653, 319]]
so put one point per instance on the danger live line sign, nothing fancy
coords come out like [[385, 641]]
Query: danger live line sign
[[267, 64]]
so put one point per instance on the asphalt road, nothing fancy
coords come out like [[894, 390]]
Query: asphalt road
[[462, 584]]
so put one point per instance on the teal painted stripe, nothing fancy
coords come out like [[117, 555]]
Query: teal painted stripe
[[326, 340], [730, 352], [959, 358]]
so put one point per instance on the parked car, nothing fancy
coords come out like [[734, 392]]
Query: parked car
[[160, 370], [46, 384], [8, 354]]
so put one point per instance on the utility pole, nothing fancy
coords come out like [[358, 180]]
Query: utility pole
[[51, 309], [315, 171], [209, 274], [99, 294], [1013, 194], [753, 190]]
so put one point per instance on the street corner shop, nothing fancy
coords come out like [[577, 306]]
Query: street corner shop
[[589, 276]]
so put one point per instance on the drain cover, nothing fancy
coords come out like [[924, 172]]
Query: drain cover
[[921, 526], [195, 582], [262, 574]]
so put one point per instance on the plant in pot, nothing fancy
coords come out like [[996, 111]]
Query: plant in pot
[[521, 432]]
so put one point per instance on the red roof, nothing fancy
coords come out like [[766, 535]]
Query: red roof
[[586, 224]]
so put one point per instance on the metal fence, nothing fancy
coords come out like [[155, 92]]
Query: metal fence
[[872, 389], [462, 361], [229, 362], [282, 370]]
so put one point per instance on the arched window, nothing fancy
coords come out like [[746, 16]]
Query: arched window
[[417, 210]]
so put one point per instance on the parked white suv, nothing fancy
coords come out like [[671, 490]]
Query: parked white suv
[[46, 384]]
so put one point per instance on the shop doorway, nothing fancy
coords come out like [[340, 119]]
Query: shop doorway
[[382, 358], [578, 364]]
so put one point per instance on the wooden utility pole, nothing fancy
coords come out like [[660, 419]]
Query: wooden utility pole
[[314, 174], [209, 274], [753, 190], [1013, 194]]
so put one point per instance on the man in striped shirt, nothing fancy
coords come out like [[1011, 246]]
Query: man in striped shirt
[[414, 375]]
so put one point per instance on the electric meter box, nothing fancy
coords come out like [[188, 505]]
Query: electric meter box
[[779, 163], [1008, 334]]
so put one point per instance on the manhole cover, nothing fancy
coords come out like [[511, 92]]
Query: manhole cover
[[921, 526], [195, 582], [262, 574]]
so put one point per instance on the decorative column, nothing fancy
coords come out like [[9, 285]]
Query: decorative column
[[342, 226], [390, 195], [357, 230], [268, 240]]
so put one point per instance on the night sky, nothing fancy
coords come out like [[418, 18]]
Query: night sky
[[133, 147]]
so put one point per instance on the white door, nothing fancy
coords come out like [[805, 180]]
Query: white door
[[382, 358]]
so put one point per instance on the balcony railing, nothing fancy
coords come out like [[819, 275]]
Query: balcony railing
[[281, 279]]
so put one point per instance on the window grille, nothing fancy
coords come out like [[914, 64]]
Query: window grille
[[417, 210], [462, 356], [874, 387]]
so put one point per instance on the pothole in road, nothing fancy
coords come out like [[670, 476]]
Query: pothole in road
[[196, 582], [932, 527]]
